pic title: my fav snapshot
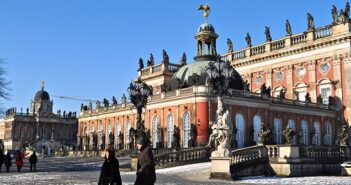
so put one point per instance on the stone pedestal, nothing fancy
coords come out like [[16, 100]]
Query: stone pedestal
[[220, 168], [289, 153], [133, 162]]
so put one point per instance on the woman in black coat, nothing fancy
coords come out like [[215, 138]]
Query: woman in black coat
[[146, 174], [110, 169], [8, 161]]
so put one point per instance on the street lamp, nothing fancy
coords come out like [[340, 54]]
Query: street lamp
[[139, 92]]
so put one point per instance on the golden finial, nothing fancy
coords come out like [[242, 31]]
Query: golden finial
[[206, 9], [42, 84]]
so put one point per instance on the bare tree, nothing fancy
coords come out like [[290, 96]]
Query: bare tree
[[4, 86]]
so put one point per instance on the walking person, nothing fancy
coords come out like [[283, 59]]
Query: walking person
[[33, 159], [8, 161], [1, 159], [110, 169], [146, 174]]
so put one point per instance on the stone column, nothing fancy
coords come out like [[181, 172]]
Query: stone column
[[289, 82], [312, 80], [347, 82], [337, 77]]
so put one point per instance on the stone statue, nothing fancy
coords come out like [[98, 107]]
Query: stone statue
[[163, 87], [90, 105], [182, 61], [98, 106], [334, 13], [319, 99], [310, 22], [248, 40], [94, 144], [268, 91], [193, 135], [81, 107], [141, 64], [111, 139], [124, 99], [343, 136], [159, 143], [102, 144], [342, 16], [106, 104], [263, 89], [288, 135], [296, 95], [151, 61], [288, 27], [267, 32], [347, 10], [331, 101], [120, 140], [114, 101], [165, 56], [282, 93], [179, 83], [206, 10], [176, 137], [221, 132], [230, 45], [251, 140], [308, 98], [263, 135]]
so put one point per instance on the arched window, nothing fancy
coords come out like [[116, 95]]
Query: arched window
[[328, 133], [100, 132], [278, 131], [291, 124], [240, 125], [316, 140], [128, 126], [301, 89], [118, 129], [186, 129], [304, 130], [109, 128], [256, 123], [154, 131], [86, 130], [170, 130], [325, 89]]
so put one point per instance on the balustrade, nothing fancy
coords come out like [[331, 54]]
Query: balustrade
[[278, 44], [258, 49], [300, 38], [323, 32], [239, 54]]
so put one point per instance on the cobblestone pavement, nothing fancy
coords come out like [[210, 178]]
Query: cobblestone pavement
[[85, 171]]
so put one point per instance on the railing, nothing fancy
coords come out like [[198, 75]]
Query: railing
[[323, 32], [273, 152], [321, 153], [145, 71], [193, 155], [300, 38], [188, 90], [278, 44], [243, 158], [172, 67], [157, 68], [258, 49], [239, 54], [158, 151]]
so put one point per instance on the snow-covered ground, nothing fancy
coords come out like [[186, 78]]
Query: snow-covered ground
[[86, 171]]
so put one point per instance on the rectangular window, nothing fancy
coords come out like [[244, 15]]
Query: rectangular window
[[325, 93], [302, 96]]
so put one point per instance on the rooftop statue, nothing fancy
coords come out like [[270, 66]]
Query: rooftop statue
[[334, 13], [230, 45], [288, 135], [310, 21], [114, 101], [347, 10], [248, 40], [151, 61], [267, 32], [182, 61], [165, 56], [206, 10], [141, 64], [342, 15], [288, 27]]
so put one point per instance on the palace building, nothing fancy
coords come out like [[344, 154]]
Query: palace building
[[38, 126], [183, 104]]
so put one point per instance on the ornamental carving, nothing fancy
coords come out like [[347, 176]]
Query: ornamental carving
[[324, 67], [279, 76], [300, 72], [259, 79]]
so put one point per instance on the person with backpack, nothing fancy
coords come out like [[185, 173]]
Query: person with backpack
[[33, 159]]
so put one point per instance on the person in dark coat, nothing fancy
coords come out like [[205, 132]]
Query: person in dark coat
[[1, 159], [110, 169], [33, 159], [8, 161], [146, 174]]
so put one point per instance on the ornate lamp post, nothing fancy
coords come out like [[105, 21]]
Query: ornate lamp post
[[139, 92], [220, 74]]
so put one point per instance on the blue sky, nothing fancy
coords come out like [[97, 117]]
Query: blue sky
[[90, 48]]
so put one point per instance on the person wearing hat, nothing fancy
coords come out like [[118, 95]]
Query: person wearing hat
[[110, 174], [146, 174]]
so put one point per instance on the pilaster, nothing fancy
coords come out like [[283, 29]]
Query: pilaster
[[312, 80]]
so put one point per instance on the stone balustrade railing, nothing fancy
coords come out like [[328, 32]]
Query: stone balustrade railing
[[258, 49], [323, 32], [248, 156], [273, 151], [278, 44], [321, 153], [193, 155], [299, 38]]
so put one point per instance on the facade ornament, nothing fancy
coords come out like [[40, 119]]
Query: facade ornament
[[81, 107], [114, 101], [343, 136], [165, 56], [151, 60], [124, 99], [267, 32], [248, 40], [206, 10], [288, 135], [98, 106], [334, 13], [182, 61], [230, 45], [90, 107], [288, 27], [141, 64], [106, 103], [263, 135], [310, 22]]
